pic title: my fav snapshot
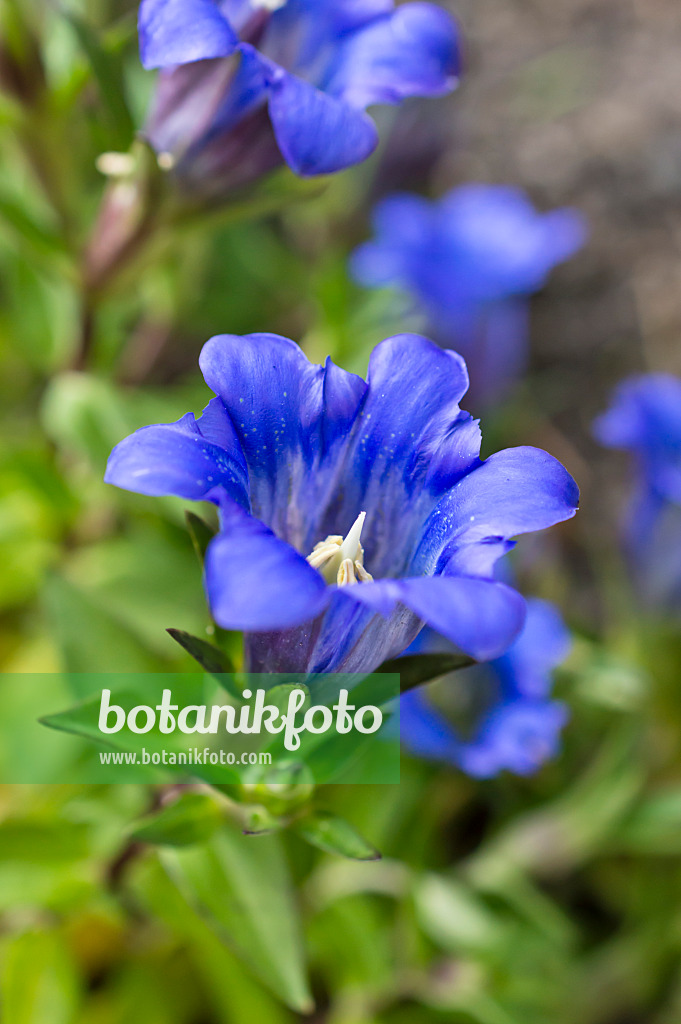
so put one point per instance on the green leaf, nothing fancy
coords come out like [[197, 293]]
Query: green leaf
[[107, 68], [231, 992], [332, 834], [417, 669], [279, 696], [39, 981], [200, 532], [44, 842], [42, 240], [192, 818], [258, 821], [88, 637], [209, 657], [83, 720], [455, 918], [241, 886]]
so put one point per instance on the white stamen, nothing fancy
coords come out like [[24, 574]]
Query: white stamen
[[362, 575], [166, 161], [346, 573], [270, 5], [341, 560], [116, 165]]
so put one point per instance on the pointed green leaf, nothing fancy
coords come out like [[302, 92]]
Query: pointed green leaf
[[241, 887], [417, 669], [107, 68], [258, 821], [200, 532], [209, 657], [82, 720], [39, 980], [332, 834], [192, 818], [279, 696]]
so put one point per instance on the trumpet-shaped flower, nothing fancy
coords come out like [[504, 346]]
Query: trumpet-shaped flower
[[469, 261], [645, 420], [246, 83], [351, 512], [519, 726]]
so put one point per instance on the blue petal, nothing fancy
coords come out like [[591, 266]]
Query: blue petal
[[645, 418], [518, 736], [190, 459], [516, 491], [403, 226], [482, 617], [180, 31], [257, 582], [412, 52], [348, 637], [543, 644], [247, 91], [291, 418], [316, 133], [499, 245], [478, 244], [186, 102], [411, 442], [426, 732]]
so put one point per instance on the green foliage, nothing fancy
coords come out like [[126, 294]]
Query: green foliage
[[190, 819], [241, 888], [547, 900], [332, 834]]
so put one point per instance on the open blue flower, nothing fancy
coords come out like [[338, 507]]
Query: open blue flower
[[520, 726], [252, 81], [469, 260], [645, 420], [352, 512]]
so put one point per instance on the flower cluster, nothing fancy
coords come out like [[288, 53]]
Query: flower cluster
[[247, 84], [352, 513], [519, 726], [470, 260], [645, 420]]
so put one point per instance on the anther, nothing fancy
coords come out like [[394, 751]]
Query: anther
[[341, 560]]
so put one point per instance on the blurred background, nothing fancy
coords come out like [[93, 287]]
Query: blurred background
[[554, 899]]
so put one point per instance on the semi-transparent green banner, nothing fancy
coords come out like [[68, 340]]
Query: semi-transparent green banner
[[229, 729]]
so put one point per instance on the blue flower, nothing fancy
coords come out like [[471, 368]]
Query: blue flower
[[351, 513], [645, 420], [469, 261], [520, 726], [247, 82]]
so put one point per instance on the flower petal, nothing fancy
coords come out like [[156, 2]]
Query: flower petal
[[516, 491], [425, 731], [317, 133], [180, 31], [290, 417], [411, 443], [190, 459], [404, 226], [482, 617], [411, 52], [518, 736], [544, 643], [257, 582]]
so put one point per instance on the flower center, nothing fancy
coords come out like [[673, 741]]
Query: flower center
[[341, 560], [270, 5]]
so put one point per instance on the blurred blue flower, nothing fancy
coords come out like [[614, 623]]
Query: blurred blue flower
[[519, 726], [247, 82], [470, 260], [351, 512], [645, 419]]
